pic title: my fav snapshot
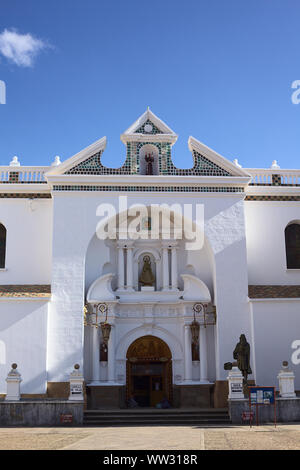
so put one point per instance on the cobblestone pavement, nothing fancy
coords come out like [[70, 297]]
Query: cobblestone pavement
[[153, 438]]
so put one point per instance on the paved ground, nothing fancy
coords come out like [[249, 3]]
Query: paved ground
[[156, 438]]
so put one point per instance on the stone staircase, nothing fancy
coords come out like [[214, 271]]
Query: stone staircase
[[155, 417]]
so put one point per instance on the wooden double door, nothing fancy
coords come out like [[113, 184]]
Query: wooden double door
[[149, 371]]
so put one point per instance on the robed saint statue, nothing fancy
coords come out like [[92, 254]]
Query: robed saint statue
[[242, 355]]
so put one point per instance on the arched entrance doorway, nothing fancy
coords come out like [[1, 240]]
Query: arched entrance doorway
[[149, 371]]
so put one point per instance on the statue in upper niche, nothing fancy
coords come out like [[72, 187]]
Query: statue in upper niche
[[147, 277], [149, 159]]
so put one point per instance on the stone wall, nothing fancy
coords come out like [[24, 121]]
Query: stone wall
[[287, 410], [192, 396], [106, 397], [39, 413]]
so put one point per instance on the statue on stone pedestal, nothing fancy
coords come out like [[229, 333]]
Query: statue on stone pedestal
[[242, 355], [146, 277]]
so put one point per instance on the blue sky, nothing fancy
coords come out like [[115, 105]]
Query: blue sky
[[218, 70]]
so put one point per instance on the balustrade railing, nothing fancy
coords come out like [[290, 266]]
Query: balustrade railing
[[268, 176], [23, 174], [274, 177]]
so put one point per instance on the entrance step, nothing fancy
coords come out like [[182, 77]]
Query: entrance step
[[154, 417]]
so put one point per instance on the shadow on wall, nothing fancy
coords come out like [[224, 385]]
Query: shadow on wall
[[38, 383], [26, 308], [2, 352]]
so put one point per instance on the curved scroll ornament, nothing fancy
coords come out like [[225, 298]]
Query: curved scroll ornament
[[206, 313], [92, 317]]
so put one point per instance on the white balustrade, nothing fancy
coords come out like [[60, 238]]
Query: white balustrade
[[23, 174], [264, 176], [35, 174]]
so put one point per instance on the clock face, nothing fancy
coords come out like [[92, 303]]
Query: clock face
[[148, 128]]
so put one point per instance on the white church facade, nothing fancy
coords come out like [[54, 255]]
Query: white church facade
[[147, 275]]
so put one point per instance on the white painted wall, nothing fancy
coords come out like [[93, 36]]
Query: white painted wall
[[226, 234], [23, 339], [28, 242], [265, 225], [276, 325]]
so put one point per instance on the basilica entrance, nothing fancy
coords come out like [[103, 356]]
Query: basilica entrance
[[149, 371]]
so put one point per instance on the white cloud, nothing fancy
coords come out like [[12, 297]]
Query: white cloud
[[20, 48]]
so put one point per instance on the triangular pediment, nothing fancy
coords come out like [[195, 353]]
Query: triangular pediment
[[148, 128], [207, 162], [149, 125], [88, 158]]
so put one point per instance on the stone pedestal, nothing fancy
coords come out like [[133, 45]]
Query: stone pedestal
[[13, 381], [76, 385], [235, 384], [286, 379]]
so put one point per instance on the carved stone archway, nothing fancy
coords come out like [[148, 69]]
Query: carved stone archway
[[149, 371]]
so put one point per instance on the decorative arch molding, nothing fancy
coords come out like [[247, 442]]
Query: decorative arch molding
[[146, 250], [164, 210], [155, 150], [208, 239], [292, 222], [148, 347], [163, 334]]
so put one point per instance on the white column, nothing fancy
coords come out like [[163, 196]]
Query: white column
[[203, 354], [111, 355], [120, 267], [187, 354], [129, 267], [165, 263], [157, 274], [96, 354], [174, 272]]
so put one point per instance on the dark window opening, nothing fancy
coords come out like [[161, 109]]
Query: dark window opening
[[292, 245], [2, 245]]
